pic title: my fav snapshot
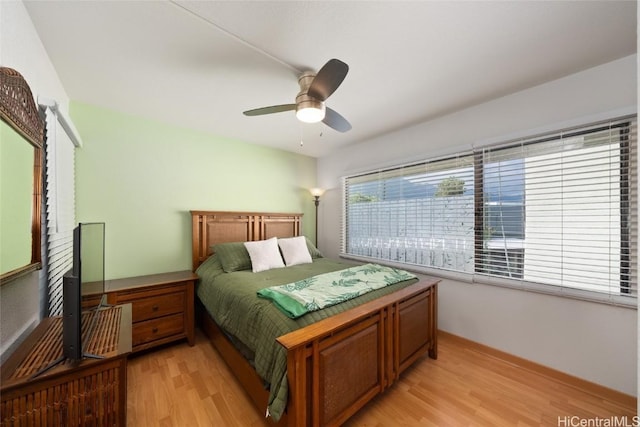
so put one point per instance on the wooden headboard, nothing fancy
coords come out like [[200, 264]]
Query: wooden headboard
[[209, 228]]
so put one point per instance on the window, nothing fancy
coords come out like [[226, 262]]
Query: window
[[421, 214], [555, 213]]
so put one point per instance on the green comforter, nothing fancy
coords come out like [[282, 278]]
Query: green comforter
[[231, 300]]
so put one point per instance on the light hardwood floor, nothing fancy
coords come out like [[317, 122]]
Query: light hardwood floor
[[191, 386]]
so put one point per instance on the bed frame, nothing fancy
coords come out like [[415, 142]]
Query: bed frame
[[337, 365]]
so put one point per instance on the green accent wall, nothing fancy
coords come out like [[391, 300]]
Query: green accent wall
[[142, 177]]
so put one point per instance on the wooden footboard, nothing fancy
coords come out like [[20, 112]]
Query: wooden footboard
[[337, 365]]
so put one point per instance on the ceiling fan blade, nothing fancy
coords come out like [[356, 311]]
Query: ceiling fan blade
[[270, 110], [328, 79], [336, 121]]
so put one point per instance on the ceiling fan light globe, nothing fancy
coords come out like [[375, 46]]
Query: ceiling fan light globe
[[310, 115], [310, 111]]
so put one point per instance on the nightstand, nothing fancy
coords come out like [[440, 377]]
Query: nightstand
[[162, 307]]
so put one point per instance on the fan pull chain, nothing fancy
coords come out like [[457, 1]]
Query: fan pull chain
[[301, 140]]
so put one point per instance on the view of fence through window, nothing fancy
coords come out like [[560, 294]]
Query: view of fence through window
[[556, 211], [418, 216]]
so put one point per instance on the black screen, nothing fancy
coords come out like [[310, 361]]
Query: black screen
[[83, 287]]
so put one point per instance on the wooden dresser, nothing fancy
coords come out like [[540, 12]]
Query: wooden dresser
[[162, 306], [89, 392]]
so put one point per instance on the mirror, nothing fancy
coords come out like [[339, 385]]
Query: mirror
[[21, 142]]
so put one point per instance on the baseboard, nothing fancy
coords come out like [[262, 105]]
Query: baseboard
[[579, 383]]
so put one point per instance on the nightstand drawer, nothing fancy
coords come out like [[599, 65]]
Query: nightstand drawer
[[158, 306], [151, 330]]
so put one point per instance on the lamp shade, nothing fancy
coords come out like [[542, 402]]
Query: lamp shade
[[316, 192]]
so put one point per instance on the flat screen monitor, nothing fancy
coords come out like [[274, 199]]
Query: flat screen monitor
[[83, 287]]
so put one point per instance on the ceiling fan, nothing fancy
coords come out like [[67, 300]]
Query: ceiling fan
[[315, 88]]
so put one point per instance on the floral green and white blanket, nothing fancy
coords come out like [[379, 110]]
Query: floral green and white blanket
[[324, 290]]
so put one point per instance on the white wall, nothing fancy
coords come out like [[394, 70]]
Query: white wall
[[20, 48], [592, 341]]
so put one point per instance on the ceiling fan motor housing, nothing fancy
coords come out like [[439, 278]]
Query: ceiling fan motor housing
[[306, 104]]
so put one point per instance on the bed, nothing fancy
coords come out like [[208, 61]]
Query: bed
[[385, 332]]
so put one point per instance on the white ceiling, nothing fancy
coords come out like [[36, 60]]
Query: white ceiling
[[199, 64]]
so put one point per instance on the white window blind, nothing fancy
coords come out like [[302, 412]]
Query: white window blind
[[555, 213], [559, 210], [420, 214], [60, 207]]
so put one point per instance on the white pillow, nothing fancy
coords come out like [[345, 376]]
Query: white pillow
[[264, 255], [295, 251]]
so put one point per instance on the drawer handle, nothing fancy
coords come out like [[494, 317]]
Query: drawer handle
[[154, 308], [154, 330]]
